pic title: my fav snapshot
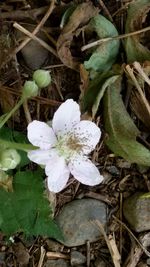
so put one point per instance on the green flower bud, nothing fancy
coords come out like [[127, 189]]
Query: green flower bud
[[42, 78], [30, 89], [9, 159]]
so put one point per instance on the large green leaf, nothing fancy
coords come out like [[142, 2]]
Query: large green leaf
[[120, 129], [26, 208], [105, 54], [136, 16], [96, 90]]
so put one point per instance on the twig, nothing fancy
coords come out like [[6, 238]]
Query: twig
[[120, 228], [42, 100], [88, 253], [105, 10], [118, 37], [20, 14], [121, 9], [111, 245], [138, 242], [134, 256], [42, 256], [42, 22], [138, 67], [16, 50], [133, 78], [56, 255], [94, 195], [27, 112], [32, 36]]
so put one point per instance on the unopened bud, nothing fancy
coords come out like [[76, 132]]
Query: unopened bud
[[9, 159], [42, 78], [30, 89]]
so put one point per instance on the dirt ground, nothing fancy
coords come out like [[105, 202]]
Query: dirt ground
[[120, 245]]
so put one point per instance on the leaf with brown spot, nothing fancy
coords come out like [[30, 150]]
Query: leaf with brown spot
[[121, 130], [80, 17]]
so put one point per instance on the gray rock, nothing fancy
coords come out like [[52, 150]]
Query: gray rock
[[77, 258], [33, 53], [136, 210], [56, 263], [77, 218]]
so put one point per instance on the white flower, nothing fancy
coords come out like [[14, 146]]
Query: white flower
[[63, 149]]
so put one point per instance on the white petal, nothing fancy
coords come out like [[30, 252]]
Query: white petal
[[66, 116], [89, 135], [58, 173], [85, 171], [41, 135], [40, 156]]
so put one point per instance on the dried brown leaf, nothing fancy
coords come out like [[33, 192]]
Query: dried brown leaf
[[80, 17], [140, 109]]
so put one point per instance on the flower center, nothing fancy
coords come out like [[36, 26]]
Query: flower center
[[68, 146]]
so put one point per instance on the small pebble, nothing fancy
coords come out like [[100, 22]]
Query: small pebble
[[77, 258], [113, 170]]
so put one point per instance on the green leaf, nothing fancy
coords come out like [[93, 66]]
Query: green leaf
[[135, 50], [120, 128], [26, 208], [96, 90], [15, 136], [105, 54]]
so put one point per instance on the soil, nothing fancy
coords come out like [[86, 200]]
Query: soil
[[122, 178]]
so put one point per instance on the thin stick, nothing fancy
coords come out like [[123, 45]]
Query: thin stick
[[105, 10], [111, 245], [27, 112], [23, 14], [42, 256], [35, 38], [133, 78], [138, 67], [56, 255], [88, 254], [138, 242], [37, 28], [120, 228], [118, 37]]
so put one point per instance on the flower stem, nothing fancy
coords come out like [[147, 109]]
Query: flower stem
[[8, 115], [18, 146]]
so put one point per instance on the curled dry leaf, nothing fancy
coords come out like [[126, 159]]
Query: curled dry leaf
[[135, 50], [121, 130], [80, 17]]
